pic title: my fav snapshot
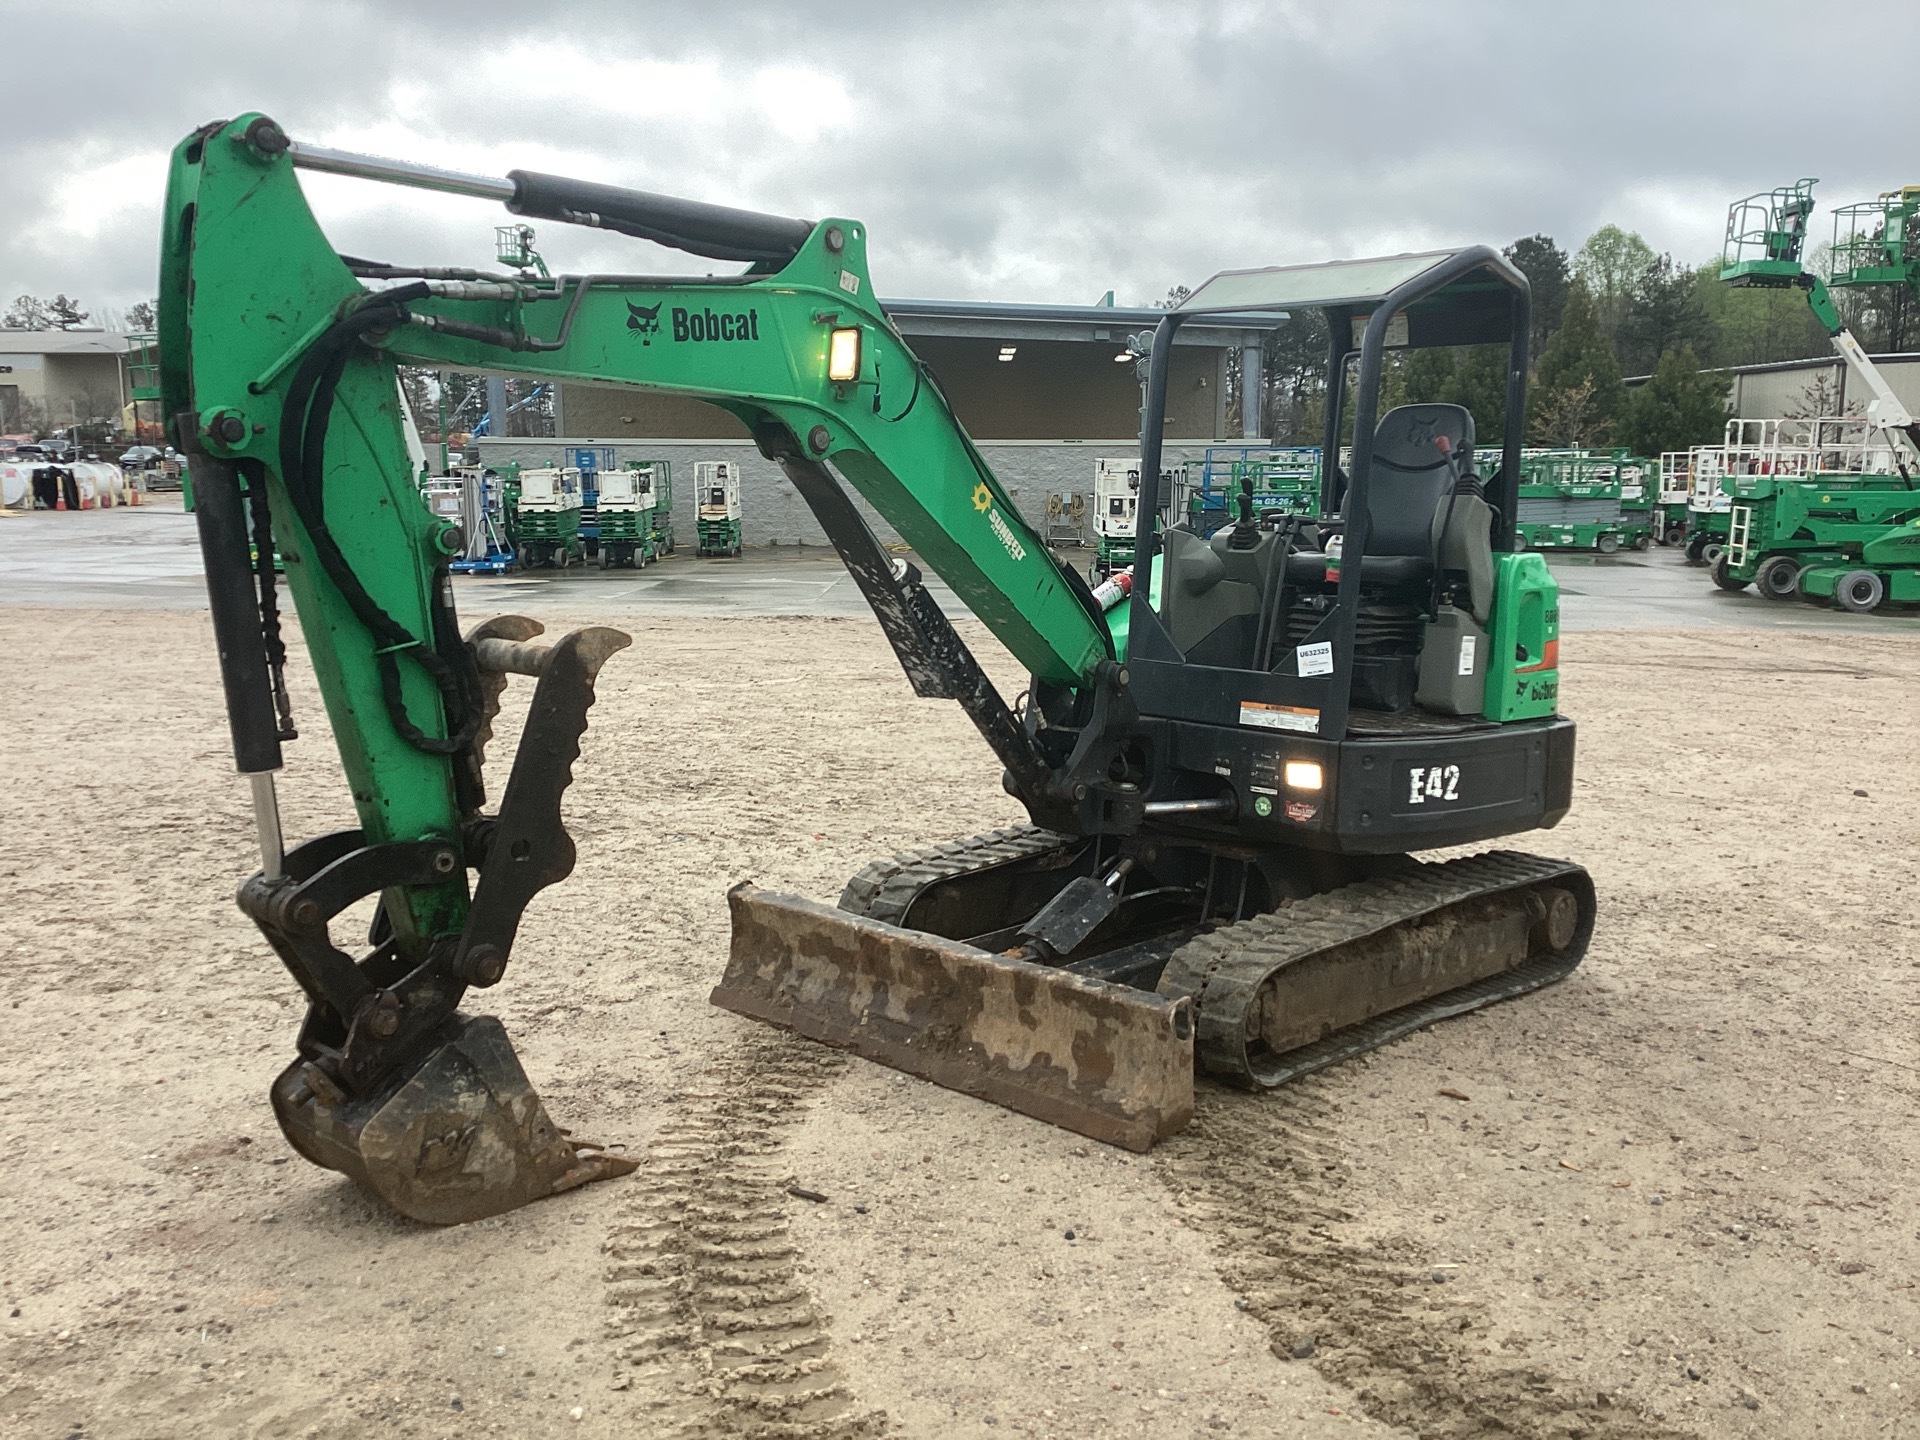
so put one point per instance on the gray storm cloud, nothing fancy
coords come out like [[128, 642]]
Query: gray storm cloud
[[1017, 151]]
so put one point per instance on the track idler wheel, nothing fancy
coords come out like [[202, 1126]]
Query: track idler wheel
[[459, 1136]]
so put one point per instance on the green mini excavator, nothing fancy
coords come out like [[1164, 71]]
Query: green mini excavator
[[1226, 754]]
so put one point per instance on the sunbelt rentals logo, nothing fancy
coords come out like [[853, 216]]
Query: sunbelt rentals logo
[[983, 502]]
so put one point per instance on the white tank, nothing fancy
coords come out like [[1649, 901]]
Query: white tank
[[16, 485], [99, 483]]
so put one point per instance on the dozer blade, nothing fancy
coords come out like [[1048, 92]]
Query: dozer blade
[[1108, 1061], [459, 1136]]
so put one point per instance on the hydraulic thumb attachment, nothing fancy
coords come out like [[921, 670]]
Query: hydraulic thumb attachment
[[426, 1107]]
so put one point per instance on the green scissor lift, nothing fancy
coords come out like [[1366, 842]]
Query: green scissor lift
[[1596, 500], [1835, 517], [716, 507], [547, 529], [143, 390], [635, 514], [1672, 483]]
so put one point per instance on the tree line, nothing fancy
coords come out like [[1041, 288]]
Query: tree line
[[30, 312], [1610, 310]]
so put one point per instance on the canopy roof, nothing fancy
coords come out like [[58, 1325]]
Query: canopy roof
[[1472, 307], [1333, 282]]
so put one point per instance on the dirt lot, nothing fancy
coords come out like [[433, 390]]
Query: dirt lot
[[1673, 1196]]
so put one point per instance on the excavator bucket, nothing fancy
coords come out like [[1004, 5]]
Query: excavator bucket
[[442, 1125], [459, 1136], [1108, 1061]]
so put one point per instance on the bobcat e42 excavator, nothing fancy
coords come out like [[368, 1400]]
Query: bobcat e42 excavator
[[1225, 770]]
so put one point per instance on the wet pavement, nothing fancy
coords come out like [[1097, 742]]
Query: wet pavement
[[148, 558]]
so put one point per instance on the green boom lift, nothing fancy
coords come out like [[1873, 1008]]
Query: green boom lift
[[1225, 773], [1821, 516]]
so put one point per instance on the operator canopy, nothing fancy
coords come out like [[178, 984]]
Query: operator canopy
[[1473, 308]]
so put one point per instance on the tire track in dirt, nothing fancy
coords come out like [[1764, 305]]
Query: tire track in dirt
[[714, 1326], [1266, 1176]]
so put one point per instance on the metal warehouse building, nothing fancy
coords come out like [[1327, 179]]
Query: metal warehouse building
[[61, 377], [1764, 391], [1044, 390]]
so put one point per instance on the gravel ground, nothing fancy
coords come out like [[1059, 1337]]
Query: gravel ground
[[1672, 1196]]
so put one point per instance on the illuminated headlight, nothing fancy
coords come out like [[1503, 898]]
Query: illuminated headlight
[[843, 356], [1303, 775]]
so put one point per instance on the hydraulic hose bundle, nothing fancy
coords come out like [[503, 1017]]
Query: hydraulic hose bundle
[[303, 438]]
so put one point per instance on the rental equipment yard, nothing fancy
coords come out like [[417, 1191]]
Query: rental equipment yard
[[1671, 1196]]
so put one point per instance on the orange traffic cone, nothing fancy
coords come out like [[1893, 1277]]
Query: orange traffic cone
[[59, 496]]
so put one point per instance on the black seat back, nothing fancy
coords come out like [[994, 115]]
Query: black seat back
[[1411, 479]]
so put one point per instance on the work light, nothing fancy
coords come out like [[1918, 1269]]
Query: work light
[[843, 355], [1303, 775]]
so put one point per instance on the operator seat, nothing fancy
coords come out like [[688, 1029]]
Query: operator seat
[[1213, 590], [1418, 516]]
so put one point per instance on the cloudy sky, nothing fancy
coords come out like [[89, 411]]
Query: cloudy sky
[[1024, 151]]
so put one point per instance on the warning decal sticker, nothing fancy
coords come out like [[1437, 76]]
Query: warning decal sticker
[[1279, 717]]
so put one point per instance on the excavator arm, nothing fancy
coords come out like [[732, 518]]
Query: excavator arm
[[279, 378]]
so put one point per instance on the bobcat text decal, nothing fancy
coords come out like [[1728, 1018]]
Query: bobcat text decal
[[697, 325]]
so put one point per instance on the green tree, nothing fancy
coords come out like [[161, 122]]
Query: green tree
[[1429, 375], [65, 313], [1609, 264], [1578, 354], [1548, 274], [1295, 364], [1748, 326], [1663, 313], [417, 384], [1680, 406], [1571, 416], [1479, 382]]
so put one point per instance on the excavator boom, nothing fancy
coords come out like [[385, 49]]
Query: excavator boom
[[279, 379]]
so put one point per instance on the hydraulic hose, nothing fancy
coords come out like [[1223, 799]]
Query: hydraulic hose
[[303, 433]]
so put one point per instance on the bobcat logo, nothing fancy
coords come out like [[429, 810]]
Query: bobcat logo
[[644, 323], [1424, 430]]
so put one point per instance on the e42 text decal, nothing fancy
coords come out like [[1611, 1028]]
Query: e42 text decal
[[1435, 782]]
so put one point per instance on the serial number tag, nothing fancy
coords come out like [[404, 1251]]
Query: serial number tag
[[1427, 783]]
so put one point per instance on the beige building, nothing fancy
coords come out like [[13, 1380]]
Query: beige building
[[1046, 373], [53, 378], [1046, 391]]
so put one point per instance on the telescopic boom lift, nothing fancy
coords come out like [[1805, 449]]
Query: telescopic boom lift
[[1766, 234]]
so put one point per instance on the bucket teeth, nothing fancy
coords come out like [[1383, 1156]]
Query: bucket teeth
[[459, 1136]]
